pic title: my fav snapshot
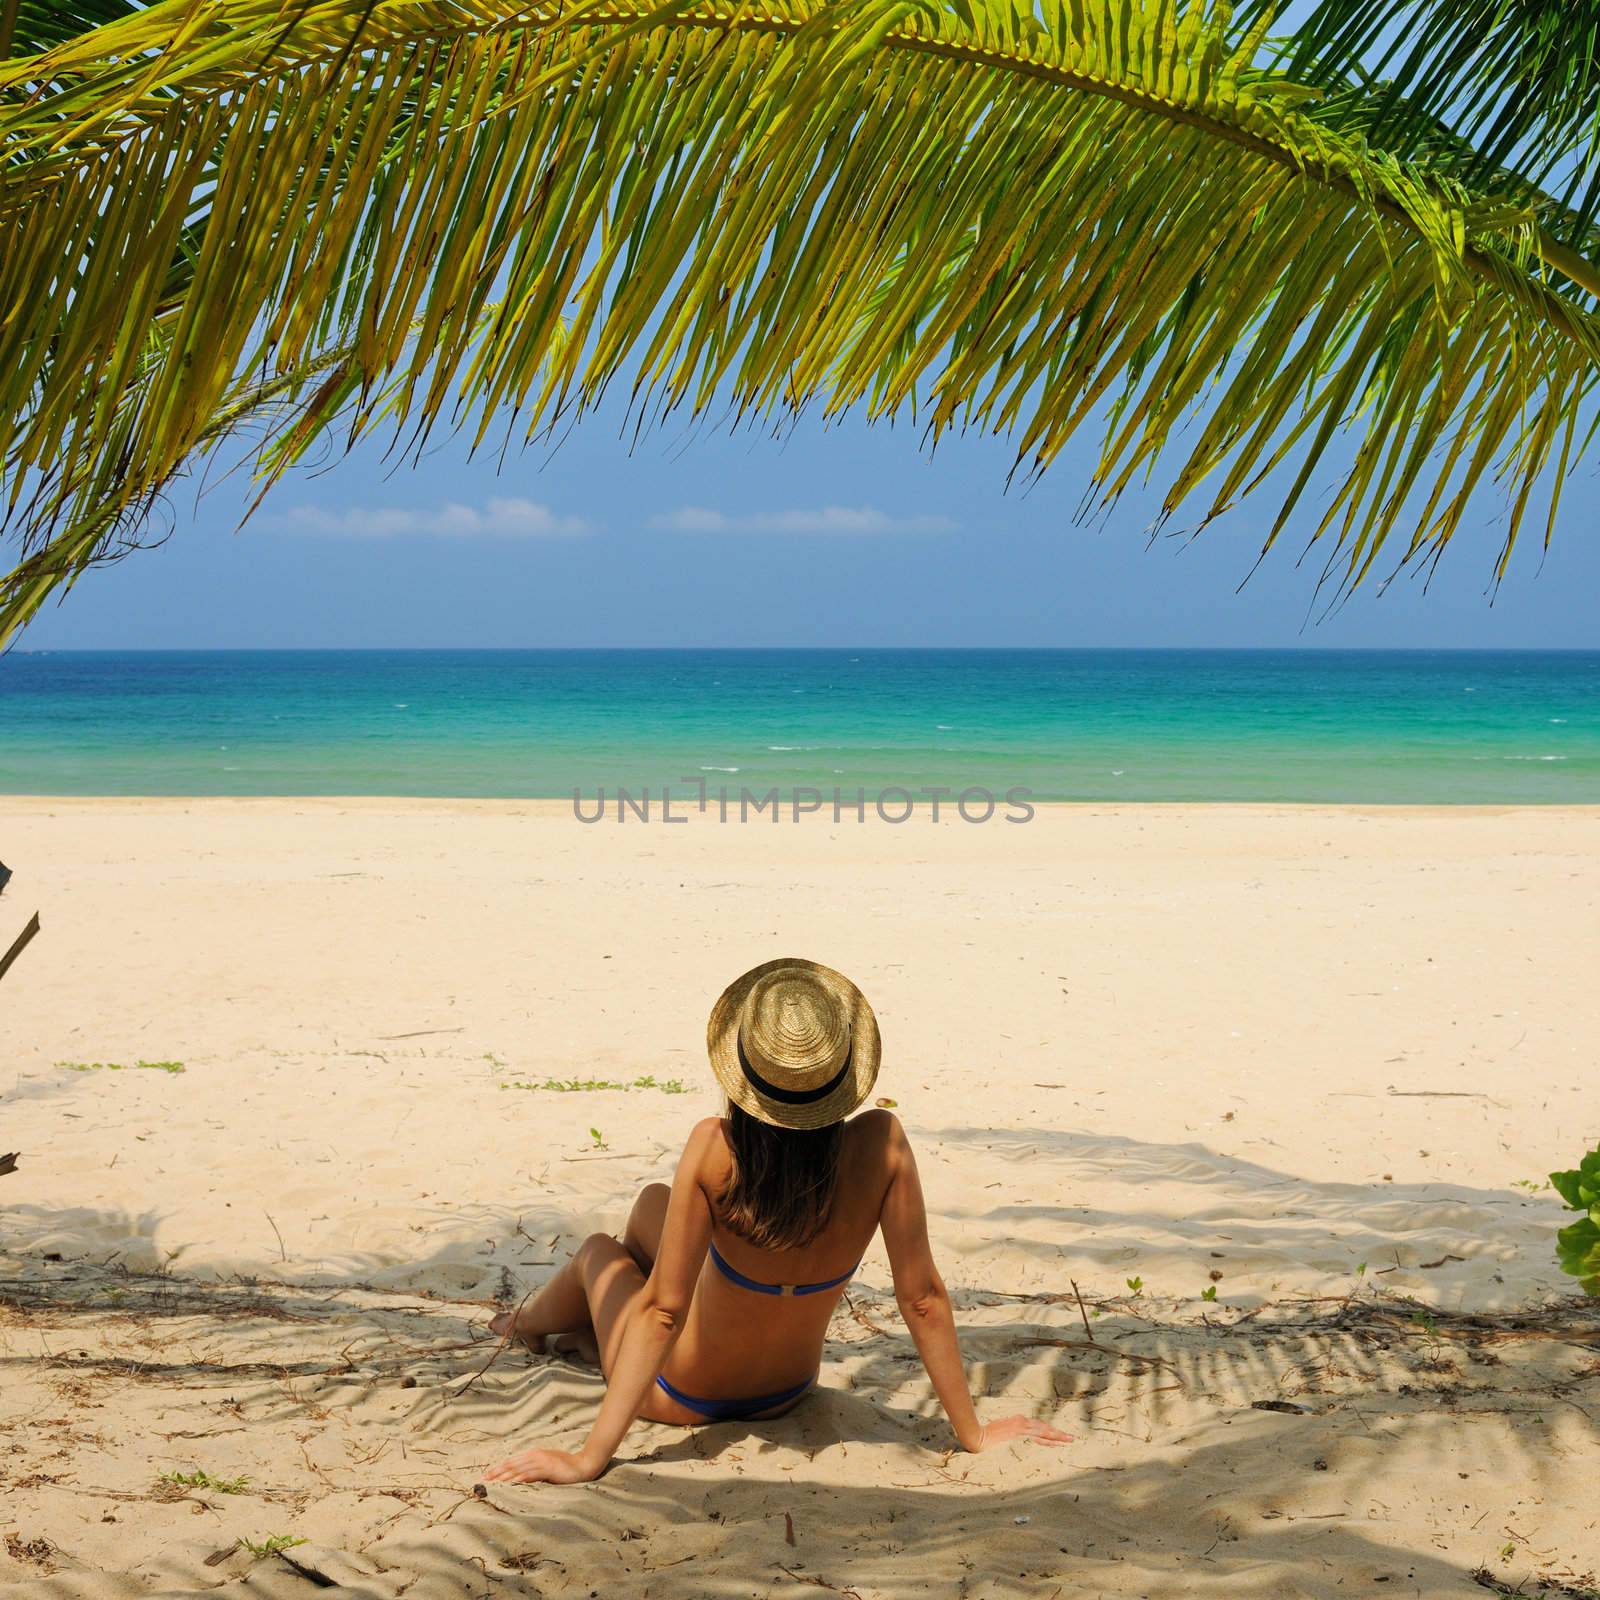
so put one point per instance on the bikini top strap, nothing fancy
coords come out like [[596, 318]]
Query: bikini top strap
[[733, 1275]]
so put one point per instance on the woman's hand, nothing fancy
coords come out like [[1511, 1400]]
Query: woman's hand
[[1007, 1429], [543, 1466]]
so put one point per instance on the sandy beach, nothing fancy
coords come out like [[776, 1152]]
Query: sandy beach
[[1316, 1060]]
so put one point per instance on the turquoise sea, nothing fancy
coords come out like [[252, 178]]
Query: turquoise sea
[[1104, 725]]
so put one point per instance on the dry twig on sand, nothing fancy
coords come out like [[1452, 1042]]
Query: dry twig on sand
[[499, 1350], [1143, 1361], [1087, 1333], [819, 1583], [864, 1319]]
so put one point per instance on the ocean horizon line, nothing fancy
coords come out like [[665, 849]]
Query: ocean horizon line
[[784, 649], [919, 814]]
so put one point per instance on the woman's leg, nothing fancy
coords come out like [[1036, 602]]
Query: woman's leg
[[588, 1296], [642, 1237], [557, 1306], [562, 1305]]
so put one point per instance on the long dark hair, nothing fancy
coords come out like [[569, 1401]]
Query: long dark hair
[[780, 1192]]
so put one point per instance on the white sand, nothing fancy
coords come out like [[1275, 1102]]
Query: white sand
[[1129, 1043]]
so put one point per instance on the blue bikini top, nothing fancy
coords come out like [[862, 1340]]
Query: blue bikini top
[[733, 1275]]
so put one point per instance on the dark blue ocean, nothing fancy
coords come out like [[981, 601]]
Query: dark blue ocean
[[1180, 725]]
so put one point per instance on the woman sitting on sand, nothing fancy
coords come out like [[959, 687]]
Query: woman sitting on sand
[[714, 1305]]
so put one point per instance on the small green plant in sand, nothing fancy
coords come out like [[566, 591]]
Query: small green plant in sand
[[1531, 1185], [121, 1066], [271, 1545], [1578, 1246], [588, 1085], [201, 1479], [1136, 1285], [599, 1143], [1209, 1292], [1424, 1321]]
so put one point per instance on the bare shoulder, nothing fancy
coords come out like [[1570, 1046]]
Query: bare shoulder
[[888, 1175], [707, 1131], [879, 1136], [706, 1150]]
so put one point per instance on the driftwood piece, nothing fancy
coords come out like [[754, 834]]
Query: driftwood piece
[[19, 944], [9, 1159]]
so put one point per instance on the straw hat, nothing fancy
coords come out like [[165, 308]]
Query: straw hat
[[794, 1043]]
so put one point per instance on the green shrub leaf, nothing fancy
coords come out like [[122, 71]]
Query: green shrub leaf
[[1578, 1249], [1578, 1246], [1567, 1185]]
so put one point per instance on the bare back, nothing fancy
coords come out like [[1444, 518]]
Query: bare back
[[738, 1341]]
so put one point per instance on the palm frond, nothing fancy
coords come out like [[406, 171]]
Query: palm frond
[[30, 27], [1570, 236], [291, 413], [294, 409], [1516, 81], [1021, 220]]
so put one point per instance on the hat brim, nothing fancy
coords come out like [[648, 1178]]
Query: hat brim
[[722, 1046]]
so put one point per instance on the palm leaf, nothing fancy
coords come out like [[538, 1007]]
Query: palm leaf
[[1516, 82], [30, 27], [292, 413], [1025, 221]]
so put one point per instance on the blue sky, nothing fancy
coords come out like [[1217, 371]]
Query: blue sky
[[842, 536]]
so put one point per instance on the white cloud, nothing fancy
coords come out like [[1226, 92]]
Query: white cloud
[[821, 519], [498, 519]]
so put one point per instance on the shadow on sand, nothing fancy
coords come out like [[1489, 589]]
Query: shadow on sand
[[1317, 1446]]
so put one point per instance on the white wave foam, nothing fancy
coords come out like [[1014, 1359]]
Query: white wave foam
[[719, 769]]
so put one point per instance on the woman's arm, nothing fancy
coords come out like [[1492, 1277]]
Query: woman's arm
[[652, 1323], [925, 1304]]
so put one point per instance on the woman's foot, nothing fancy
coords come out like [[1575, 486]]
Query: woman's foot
[[509, 1325], [582, 1347], [579, 1346]]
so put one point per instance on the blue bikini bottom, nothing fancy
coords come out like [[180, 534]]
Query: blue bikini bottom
[[734, 1410]]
